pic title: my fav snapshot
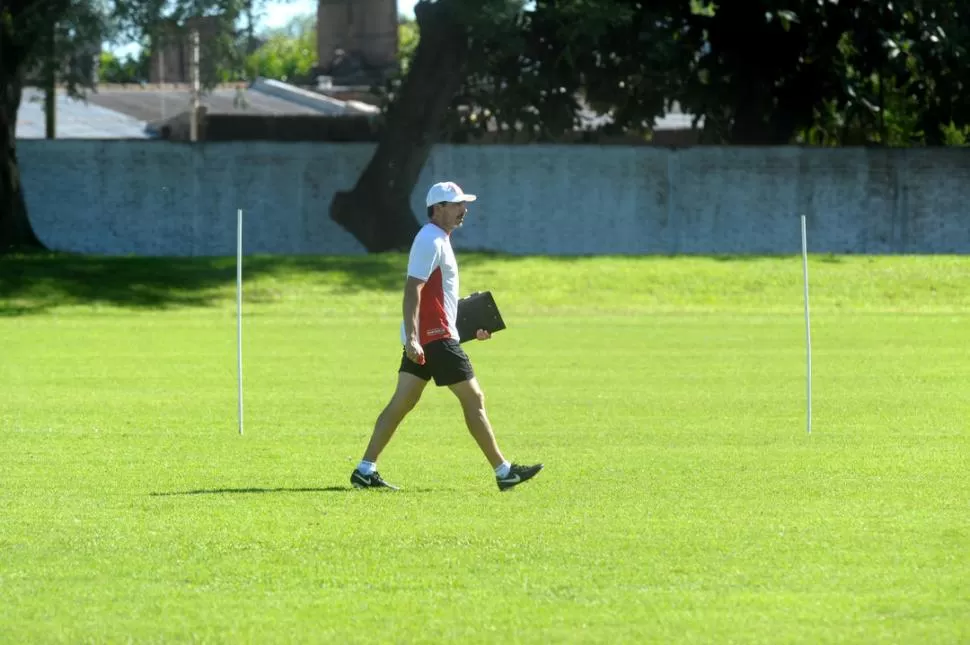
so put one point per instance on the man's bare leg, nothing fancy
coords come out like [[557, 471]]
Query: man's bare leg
[[507, 475], [472, 400], [406, 396]]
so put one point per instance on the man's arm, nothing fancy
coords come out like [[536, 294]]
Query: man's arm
[[412, 305]]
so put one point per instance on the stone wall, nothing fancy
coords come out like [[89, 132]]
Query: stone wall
[[160, 198]]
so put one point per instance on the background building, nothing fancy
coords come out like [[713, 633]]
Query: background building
[[171, 53], [357, 40]]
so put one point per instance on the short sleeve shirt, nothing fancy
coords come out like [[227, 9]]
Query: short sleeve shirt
[[433, 261]]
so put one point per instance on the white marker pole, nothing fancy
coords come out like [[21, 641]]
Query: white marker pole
[[808, 329], [239, 256]]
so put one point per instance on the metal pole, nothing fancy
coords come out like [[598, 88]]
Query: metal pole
[[808, 330], [239, 256], [196, 88]]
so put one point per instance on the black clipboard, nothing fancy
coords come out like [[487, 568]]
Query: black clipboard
[[478, 311]]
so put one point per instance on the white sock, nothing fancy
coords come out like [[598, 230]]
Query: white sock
[[503, 469], [366, 468]]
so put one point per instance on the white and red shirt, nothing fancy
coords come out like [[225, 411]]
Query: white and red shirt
[[433, 260]]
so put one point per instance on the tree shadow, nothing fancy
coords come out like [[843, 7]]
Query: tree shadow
[[831, 258], [740, 257], [35, 283]]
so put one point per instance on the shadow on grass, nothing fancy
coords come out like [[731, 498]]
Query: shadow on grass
[[250, 491], [34, 283], [263, 491], [731, 257]]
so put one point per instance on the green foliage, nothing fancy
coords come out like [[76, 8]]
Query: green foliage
[[161, 22], [954, 135], [289, 54], [130, 69], [761, 71], [63, 34], [408, 38], [905, 84], [81, 26], [835, 72], [527, 75]]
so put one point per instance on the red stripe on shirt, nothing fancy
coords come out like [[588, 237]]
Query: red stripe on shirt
[[432, 320]]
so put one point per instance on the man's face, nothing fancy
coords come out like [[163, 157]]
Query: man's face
[[450, 215]]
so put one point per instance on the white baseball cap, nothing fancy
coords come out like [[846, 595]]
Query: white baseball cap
[[447, 191]]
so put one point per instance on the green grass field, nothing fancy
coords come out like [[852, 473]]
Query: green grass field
[[682, 499]]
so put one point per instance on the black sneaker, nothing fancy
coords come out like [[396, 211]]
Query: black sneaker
[[360, 480], [517, 475]]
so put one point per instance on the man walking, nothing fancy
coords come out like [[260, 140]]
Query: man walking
[[429, 334]]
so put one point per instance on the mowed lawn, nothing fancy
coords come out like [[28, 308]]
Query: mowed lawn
[[682, 499]]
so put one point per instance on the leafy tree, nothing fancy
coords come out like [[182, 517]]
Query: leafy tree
[[756, 72], [486, 65], [912, 79], [37, 38], [130, 69], [407, 36], [566, 62], [764, 71], [377, 210], [36, 34], [288, 54]]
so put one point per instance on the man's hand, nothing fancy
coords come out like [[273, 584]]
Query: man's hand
[[414, 351], [481, 334]]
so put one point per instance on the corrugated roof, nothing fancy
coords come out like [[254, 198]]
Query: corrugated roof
[[75, 119], [153, 104], [132, 111], [314, 100]]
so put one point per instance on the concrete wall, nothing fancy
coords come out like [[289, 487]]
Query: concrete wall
[[156, 198]]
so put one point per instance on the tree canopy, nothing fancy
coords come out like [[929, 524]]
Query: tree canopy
[[829, 72]]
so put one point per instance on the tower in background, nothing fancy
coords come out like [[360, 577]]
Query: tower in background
[[171, 52], [357, 40]]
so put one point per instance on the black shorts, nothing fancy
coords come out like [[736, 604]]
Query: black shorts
[[444, 361]]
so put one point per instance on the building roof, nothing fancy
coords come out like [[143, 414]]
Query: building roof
[[318, 101], [154, 103], [75, 119], [158, 103], [134, 111], [137, 111]]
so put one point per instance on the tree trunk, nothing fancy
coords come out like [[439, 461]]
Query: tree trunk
[[16, 234], [377, 211]]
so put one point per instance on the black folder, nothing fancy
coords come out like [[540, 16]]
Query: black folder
[[478, 311]]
